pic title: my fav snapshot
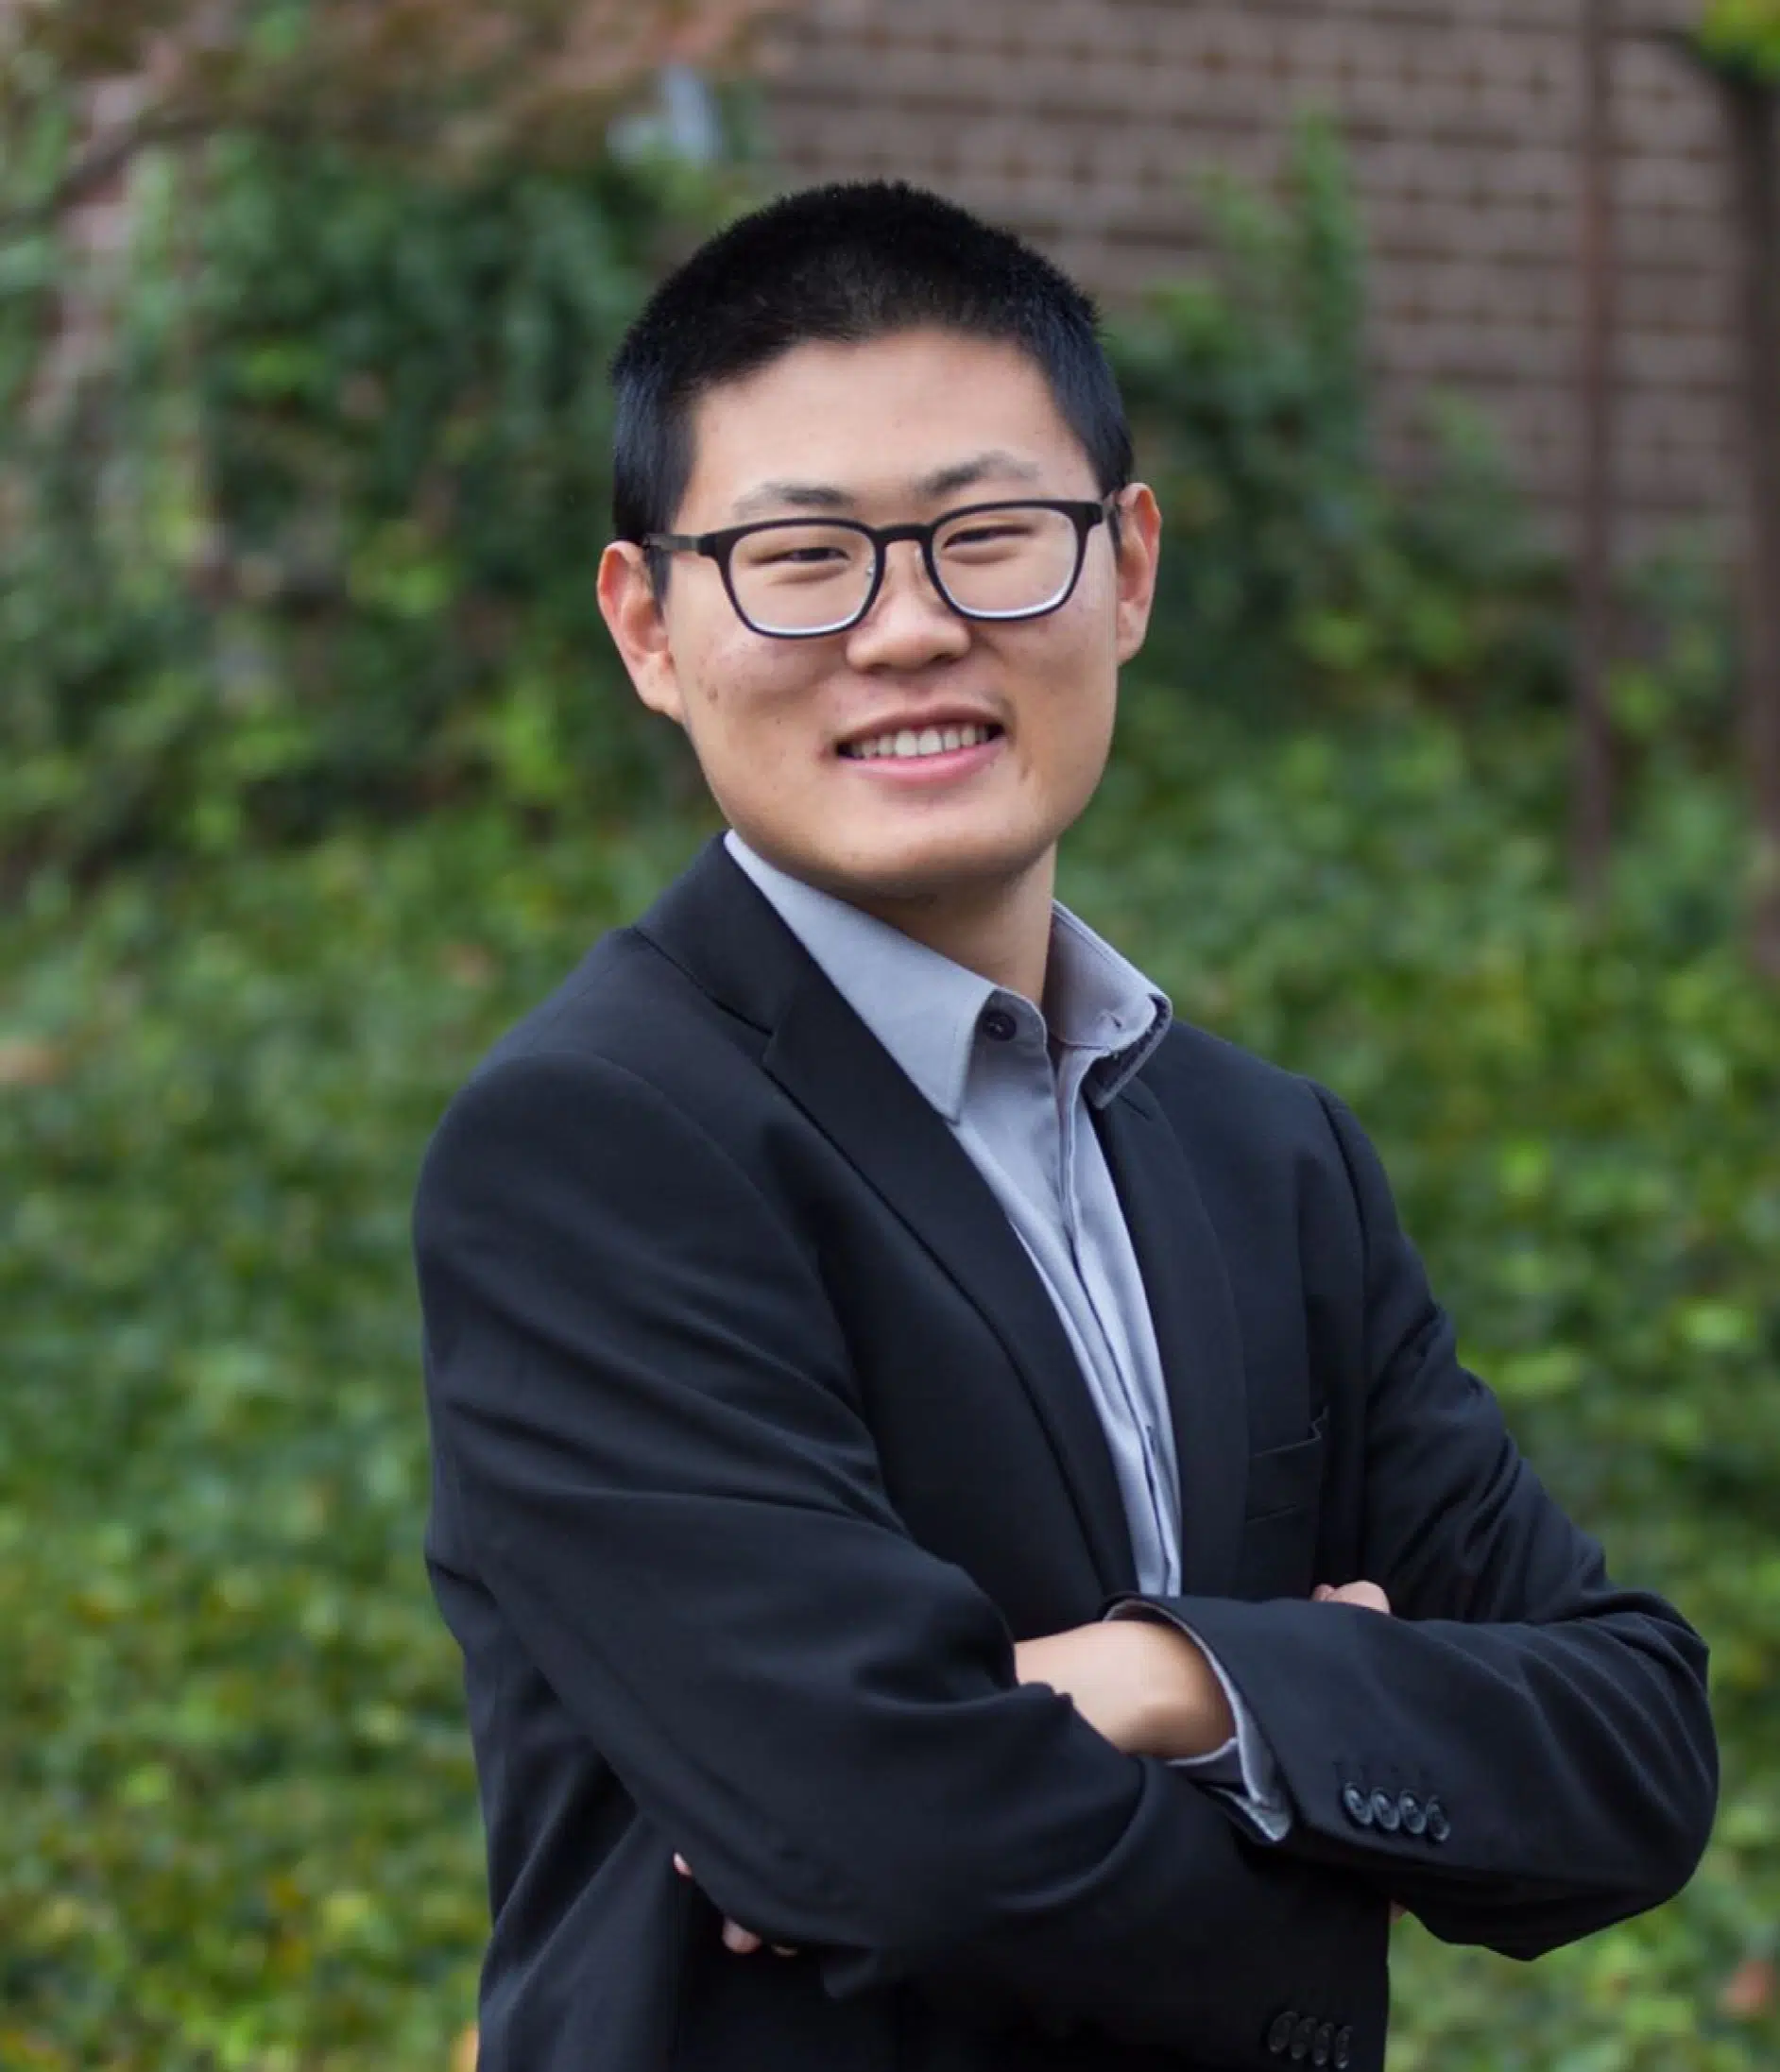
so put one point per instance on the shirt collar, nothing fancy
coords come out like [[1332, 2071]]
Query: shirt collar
[[926, 1010]]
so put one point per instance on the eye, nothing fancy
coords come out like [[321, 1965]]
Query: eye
[[799, 556], [797, 551], [991, 529]]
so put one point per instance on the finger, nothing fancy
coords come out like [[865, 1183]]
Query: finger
[[1321, 1595], [783, 1949], [1366, 1595], [681, 1865], [1396, 1913], [744, 1942]]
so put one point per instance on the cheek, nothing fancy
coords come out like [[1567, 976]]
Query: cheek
[[1073, 698], [748, 707]]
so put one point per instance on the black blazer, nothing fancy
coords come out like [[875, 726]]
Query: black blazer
[[757, 1444]]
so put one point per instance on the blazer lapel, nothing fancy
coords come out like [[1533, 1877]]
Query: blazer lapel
[[851, 1087], [724, 935], [1196, 1332]]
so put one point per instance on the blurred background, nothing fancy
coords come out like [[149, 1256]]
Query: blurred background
[[1451, 775]]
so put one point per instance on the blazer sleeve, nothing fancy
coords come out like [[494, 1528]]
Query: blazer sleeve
[[642, 1398], [1525, 1753]]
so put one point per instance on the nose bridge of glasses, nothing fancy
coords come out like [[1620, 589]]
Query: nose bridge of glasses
[[917, 570]]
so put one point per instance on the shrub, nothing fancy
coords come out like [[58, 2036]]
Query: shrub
[[1292, 572], [323, 537]]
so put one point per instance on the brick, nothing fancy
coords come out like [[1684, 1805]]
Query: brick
[[1091, 124]]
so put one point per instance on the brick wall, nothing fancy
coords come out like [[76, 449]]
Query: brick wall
[[1083, 123]]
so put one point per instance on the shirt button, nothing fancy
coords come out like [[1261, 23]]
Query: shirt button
[[999, 1025]]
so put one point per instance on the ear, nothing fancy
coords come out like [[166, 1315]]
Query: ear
[[634, 618], [1140, 547]]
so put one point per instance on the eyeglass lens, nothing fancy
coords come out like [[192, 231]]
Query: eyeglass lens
[[1009, 562]]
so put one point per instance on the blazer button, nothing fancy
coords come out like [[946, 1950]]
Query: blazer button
[[1304, 2039], [1384, 1810], [1279, 2035], [1439, 1827], [1325, 2043], [1343, 2054], [1357, 1806], [1415, 1815]]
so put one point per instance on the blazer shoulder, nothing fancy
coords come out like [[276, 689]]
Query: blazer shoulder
[[627, 1003], [1211, 1088], [626, 1016], [1254, 1129]]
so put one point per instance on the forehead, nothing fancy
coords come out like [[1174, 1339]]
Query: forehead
[[872, 417]]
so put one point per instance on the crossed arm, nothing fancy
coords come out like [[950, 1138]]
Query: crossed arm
[[1141, 1684], [644, 1410]]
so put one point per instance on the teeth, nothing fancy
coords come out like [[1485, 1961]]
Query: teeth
[[906, 744]]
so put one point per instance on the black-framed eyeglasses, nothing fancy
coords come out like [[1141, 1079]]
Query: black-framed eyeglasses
[[798, 578]]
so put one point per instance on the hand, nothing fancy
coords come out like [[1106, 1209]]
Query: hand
[[1141, 1684], [744, 1942]]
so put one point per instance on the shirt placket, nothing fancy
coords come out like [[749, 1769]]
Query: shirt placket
[[1115, 1355]]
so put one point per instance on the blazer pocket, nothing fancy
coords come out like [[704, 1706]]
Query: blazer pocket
[[1286, 1478], [1279, 1529]]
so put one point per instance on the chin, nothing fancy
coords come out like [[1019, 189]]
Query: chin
[[931, 868]]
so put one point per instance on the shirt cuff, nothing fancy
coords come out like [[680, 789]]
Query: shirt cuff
[[1244, 1772]]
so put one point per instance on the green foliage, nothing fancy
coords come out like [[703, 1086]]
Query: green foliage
[[317, 551], [324, 539], [233, 1758], [437, 85], [1290, 567], [1741, 38], [232, 1763]]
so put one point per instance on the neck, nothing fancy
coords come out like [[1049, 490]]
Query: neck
[[1000, 929]]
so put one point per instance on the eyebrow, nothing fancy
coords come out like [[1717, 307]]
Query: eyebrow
[[966, 475], [827, 496]]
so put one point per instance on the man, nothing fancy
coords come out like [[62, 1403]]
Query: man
[[941, 1471]]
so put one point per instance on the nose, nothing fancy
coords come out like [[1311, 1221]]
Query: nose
[[910, 625]]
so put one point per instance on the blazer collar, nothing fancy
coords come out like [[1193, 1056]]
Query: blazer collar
[[724, 933], [925, 1009]]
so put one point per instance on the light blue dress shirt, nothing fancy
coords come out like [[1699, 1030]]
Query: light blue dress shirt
[[1012, 1082]]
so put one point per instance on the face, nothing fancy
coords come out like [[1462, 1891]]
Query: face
[[892, 431]]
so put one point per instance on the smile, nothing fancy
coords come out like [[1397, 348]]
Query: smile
[[907, 745]]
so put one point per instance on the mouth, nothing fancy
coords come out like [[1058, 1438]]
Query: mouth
[[939, 740]]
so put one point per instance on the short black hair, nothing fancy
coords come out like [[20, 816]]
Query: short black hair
[[840, 264]]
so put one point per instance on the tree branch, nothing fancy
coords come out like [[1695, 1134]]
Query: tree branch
[[93, 174]]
